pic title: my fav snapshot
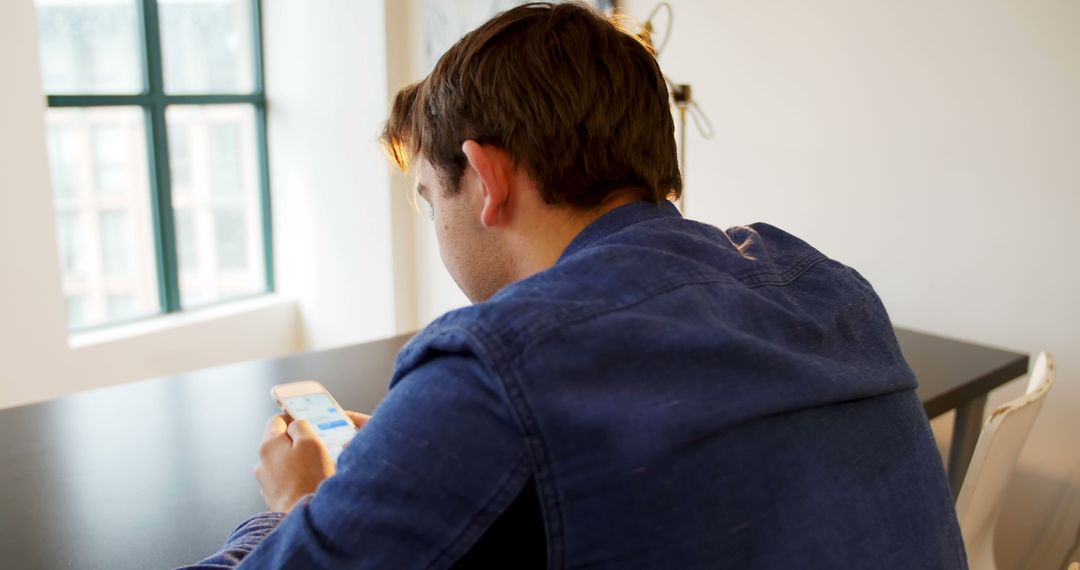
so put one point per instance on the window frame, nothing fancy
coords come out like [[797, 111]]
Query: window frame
[[154, 101]]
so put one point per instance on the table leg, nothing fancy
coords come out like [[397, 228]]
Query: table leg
[[966, 429]]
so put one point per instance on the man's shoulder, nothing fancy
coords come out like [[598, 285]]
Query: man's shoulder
[[672, 258], [675, 261]]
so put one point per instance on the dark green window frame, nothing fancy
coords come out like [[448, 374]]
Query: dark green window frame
[[154, 101]]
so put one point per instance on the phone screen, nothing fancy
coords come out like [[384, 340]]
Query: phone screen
[[331, 425]]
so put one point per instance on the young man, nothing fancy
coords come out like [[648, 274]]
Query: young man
[[630, 389]]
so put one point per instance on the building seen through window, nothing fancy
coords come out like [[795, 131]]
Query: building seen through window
[[133, 238]]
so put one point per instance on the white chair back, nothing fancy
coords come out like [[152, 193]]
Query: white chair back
[[1000, 442]]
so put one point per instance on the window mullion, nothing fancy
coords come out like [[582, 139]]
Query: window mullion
[[97, 100], [160, 178], [264, 163]]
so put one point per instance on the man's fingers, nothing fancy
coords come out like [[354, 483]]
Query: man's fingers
[[273, 436], [275, 426], [259, 472], [301, 429], [358, 418]]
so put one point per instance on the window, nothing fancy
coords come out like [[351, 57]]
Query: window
[[229, 239], [111, 157], [225, 169], [121, 306], [61, 149], [75, 306], [157, 149], [69, 238], [180, 158], [115, 243], [185, 239]]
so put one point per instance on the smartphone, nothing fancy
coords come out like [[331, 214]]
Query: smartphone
[[309, 400]]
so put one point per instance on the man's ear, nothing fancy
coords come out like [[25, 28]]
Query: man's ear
[[493, 167]]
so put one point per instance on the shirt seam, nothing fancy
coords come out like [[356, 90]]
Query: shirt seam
[[541, 334], [534, 442], [765, 278], [540, 331], [507, 483], [482, 344]]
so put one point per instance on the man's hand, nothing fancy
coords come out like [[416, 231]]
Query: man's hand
[[293, 460]]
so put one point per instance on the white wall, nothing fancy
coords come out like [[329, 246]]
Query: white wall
[[326, 74], [30, 308], [401, 39], [935, 146], [433, 292]]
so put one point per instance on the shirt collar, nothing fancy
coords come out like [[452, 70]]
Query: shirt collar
[[618, 219]]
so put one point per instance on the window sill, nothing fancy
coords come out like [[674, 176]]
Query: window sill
[[170, 322]]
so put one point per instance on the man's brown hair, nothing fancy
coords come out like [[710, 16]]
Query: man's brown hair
[[574, 99]]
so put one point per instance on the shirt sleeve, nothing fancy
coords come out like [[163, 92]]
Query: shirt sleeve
[[438, 462], [241, 542]]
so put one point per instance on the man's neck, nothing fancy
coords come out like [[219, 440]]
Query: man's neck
[[540, 242]]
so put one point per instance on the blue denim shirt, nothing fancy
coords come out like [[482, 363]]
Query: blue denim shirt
[[682, 397]]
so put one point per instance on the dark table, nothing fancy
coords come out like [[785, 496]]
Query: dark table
[[155, 474], [957, 375]]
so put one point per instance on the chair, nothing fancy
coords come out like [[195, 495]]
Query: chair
[[1000, 442]]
